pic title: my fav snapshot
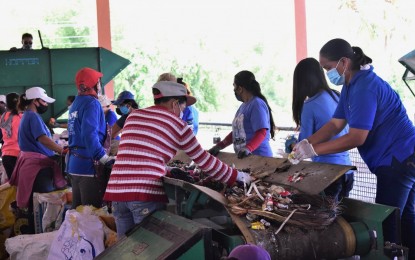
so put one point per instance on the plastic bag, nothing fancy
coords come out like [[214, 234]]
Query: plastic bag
[[80, 236], [33, 247], [7, 217], [53, 206], [3, 178]]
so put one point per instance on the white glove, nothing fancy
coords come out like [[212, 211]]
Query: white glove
[[107, 160], [243, 177], [304, 150]]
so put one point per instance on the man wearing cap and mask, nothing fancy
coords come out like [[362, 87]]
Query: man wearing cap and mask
[[125, 104], [151, 137], [87, 134]]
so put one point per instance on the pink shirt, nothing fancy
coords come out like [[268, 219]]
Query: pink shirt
[[24, 174], [11, 146]]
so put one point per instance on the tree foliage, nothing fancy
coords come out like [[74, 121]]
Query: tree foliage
[[145, 68]]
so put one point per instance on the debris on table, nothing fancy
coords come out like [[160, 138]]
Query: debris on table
[[296, 177], [292, 159], [265, 204]]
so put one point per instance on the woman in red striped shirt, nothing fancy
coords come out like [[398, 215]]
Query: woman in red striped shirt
[[151, 138]]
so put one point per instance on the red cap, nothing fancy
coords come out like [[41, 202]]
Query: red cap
[[87, 77]]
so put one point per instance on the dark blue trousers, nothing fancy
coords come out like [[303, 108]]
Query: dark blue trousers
[[396, 187]]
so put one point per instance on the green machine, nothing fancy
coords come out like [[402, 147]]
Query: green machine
[[358, 232], [163, 235], [198, 225], [55, 70]]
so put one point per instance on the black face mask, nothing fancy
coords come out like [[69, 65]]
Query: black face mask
[[2, 109], [118, 111], [41, 109], [238, 97]]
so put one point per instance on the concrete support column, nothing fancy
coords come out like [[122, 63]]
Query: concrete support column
[[104, 36], [300, 29]]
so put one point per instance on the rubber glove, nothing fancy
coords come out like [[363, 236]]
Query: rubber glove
[[107, 160], [304, 150], [244, 178], [244, 152]]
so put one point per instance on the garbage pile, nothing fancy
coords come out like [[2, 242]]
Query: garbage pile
[[192, 174], [265, 204], [272, 203]]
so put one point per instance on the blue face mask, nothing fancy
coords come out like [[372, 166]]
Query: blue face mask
[[335, 77], [124, 110]]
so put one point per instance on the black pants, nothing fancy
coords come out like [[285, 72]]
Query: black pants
[[87, 191], [43, 184], [8, 163]]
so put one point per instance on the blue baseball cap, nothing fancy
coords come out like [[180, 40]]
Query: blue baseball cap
[[123, 96]]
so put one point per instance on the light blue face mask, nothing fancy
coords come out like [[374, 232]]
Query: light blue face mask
[[335, 77], [124, 110]]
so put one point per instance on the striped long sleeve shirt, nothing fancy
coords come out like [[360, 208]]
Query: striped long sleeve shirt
[[151, 138]]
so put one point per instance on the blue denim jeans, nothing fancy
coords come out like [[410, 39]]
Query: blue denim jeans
[[127, 214], [396, 187]]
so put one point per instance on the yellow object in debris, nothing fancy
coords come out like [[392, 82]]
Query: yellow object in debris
[[257, 225], [292, 159]]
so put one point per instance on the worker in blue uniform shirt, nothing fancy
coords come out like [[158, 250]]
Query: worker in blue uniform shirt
[[36, 169], [253, 124], [88, 137], [314, 102], [190, 113], [125, 103], [378, 126]]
